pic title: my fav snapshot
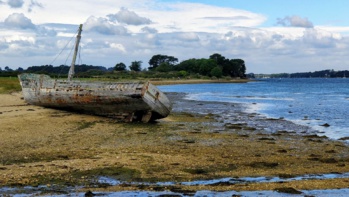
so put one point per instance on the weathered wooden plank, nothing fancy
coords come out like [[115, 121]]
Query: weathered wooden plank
[[143, 100]]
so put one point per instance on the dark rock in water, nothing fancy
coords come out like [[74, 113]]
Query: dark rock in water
[[235, 126], [315, 136], [344, 138], [286, 176], [222, 183], [179, 190], [288, 190], [325, 125], [89, 194]]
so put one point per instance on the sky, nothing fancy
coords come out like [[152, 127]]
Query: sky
[[271, 36]]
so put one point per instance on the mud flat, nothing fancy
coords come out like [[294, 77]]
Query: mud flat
[[62, 152]]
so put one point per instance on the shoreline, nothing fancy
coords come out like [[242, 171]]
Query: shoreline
[[198, 141]]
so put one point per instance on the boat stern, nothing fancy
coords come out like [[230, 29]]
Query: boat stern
[[157, 100]]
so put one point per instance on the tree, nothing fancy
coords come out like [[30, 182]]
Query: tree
[[239, 68], [218, 58], [190, 65], [136, 66], [182, 73], [234, 68], [206, 65], [8, 69], [157, 60], [120, 67], [216, 72], [164, 67]]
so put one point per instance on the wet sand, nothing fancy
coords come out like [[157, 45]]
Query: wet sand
[[198, 141]]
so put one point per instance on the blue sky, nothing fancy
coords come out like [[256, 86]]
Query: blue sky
[[319, 11], [272, 36]]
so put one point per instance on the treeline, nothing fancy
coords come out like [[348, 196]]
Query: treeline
[[317, 74], [215, 66], [61, 70], [160, 66]]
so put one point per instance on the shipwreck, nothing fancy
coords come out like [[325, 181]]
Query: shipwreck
[[124, 101]]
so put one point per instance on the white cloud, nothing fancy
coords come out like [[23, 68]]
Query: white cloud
[[103, 26], [117, 46], [188, 37], [129, 17], [18, 20], [15, 3], [16, 38], [200, 18], [295, 21], [33, 4], [149, 30], [126, 31]]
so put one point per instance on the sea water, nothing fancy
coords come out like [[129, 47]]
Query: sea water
[[320, 103]]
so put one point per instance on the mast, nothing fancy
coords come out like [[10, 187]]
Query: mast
[[72, 66]]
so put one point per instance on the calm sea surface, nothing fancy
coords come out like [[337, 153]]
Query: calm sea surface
[[312, 102]]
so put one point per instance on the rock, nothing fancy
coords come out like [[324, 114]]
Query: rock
[[344, 138], [282, 151], [266, 138], [264, 164], [288, 190], [89, 194], [325, 125], [329, 160]]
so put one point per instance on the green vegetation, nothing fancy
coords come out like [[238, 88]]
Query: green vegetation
[[9, 84], [161, 67], [85, 125]]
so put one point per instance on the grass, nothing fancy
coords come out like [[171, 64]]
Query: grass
[[9, 84]]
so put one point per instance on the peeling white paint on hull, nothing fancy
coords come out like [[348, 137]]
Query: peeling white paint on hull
[[124, 101]]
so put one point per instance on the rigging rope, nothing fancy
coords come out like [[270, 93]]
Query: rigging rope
[[62, 50], [65, 47]]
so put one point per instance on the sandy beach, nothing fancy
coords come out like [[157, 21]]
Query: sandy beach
[[41, 146]]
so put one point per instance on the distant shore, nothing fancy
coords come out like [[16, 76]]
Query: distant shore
[[41, 146]]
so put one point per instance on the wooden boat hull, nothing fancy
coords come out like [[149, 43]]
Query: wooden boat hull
[[125, 101]]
